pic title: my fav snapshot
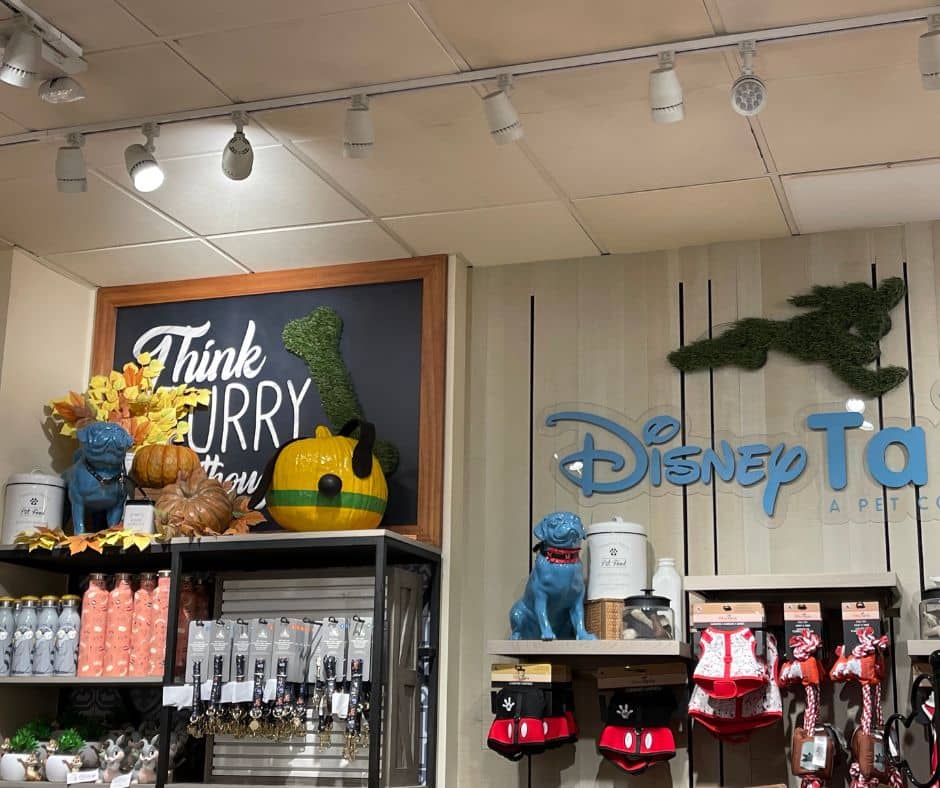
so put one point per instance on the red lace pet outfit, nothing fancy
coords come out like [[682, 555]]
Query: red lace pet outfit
[[865, 664], [734, 719], [728, 666]]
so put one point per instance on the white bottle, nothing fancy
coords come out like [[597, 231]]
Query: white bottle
[[667, 582]]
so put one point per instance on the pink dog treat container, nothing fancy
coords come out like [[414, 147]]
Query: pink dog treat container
[[91, 641], [143, 625], [120, 625], [160, 599]]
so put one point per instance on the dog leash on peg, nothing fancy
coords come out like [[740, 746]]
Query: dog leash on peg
[[923, 713]]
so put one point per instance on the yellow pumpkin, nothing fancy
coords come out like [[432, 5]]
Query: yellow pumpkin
[[314, 485]]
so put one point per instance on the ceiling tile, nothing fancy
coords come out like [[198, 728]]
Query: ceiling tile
[[280, 192], [738, 15], [848, 100], [129, 83], [671, 218], [496, 236], [94, 24], [495, 32], [134, 265], [302, 247], [28, 160], [592, 130], [176, 139], [359, 47], [865, 198], [35, 216], [182, 17], [432, 153]]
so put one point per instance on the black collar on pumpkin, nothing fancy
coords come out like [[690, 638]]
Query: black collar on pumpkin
[[104, 479], [558, 555]]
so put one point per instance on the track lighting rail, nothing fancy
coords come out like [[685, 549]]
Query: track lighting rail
[[704, 44]]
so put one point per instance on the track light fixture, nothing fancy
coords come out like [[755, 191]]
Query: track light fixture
[[358, 133], [666, 103], [61, 90], [928, 54], [142, 166], [748, 93], [237, 156], [21, 58], [501, 115], [70, 166]]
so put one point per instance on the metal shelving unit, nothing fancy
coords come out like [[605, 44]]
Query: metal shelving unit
[[262, 553]]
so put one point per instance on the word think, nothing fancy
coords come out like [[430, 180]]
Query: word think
[[747, 465]]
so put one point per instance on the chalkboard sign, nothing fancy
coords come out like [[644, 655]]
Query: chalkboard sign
[[225, 334]]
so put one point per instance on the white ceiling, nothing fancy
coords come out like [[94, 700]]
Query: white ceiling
[[592, 175]]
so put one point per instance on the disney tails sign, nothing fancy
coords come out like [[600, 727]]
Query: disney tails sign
[[842, 331]]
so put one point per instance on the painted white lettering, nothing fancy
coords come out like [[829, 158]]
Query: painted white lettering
[[264, 416], [296, 398], [230, 418]]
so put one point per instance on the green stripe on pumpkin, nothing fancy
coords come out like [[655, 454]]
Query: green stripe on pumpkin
[[345, 500]]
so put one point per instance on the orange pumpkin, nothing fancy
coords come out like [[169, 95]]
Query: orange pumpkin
[[160, 464], [196, 503]]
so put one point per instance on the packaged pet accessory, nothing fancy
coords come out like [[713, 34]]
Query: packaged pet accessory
[[637, 733], [198, 646]]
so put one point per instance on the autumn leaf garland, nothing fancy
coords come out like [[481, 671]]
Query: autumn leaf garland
[[53, 538]]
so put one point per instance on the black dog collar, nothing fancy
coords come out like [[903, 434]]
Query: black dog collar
[[104, 479]]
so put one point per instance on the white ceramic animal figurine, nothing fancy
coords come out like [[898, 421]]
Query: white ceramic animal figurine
[[111, 759], [146, 771]]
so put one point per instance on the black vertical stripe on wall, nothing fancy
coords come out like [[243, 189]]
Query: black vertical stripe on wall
[[682, 419], [910, 389], [887, 536], [531, 523], [711, 430]]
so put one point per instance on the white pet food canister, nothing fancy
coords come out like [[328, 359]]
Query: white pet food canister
[[617, 559], [31, 500]]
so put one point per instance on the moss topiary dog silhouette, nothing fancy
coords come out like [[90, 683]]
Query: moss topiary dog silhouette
[[842, 332]]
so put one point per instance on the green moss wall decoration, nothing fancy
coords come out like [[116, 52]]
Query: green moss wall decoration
[[315, 338], [842, 331]]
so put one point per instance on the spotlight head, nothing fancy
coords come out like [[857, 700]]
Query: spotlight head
[[748, 91], [666, 103], [501, 115], [142, 166], [70, 166], [61, 90], [928, 54], [358, 134], [21, 58], [238, 157]]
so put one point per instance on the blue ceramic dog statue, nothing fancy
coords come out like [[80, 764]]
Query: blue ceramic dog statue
[[553, 603], [96, 480]]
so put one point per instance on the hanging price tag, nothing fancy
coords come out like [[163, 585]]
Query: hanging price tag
[[820, 750]]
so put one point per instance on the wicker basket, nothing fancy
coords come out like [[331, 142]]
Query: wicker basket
[[604, 618]]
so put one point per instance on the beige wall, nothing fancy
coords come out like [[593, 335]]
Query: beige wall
[[46, 342], [603, 327]]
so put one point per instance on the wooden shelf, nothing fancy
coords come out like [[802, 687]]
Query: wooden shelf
[[794, 587], [921, 649], [595, 651], [80, 681]]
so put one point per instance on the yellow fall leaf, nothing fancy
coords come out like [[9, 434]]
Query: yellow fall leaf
[[136, 539]]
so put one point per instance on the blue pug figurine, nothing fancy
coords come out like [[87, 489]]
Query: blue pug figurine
[[553, 603], [96, 481]]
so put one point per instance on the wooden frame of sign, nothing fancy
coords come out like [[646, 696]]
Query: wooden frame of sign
[[431, 270]]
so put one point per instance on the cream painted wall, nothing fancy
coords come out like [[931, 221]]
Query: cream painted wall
[[603, 327], [46, 341]]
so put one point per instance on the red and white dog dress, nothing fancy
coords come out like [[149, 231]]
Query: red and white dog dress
[[734, 719], [729, 666]]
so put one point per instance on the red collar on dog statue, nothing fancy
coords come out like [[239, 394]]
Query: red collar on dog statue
[[558, 555]]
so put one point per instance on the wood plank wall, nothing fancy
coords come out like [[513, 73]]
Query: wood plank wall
[[597, 331]]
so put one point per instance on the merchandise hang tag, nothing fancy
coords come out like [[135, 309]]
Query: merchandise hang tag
[[122, 781], [83, 776], [334, 645], [801, 619], [820, 750], [360, 644], [341, 704], [860, 620]]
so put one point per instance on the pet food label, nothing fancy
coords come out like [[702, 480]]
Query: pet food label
[[860, 621], [30, 507]]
